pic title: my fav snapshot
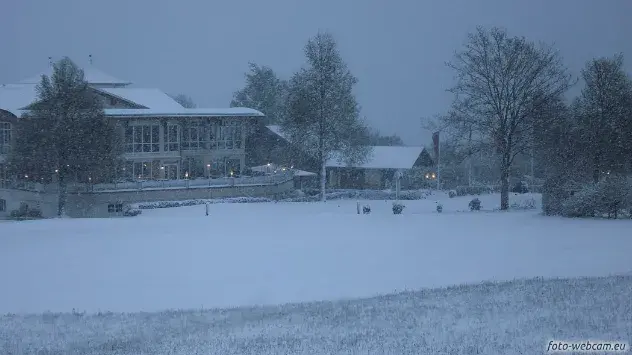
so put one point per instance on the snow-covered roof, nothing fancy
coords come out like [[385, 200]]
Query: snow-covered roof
[[154, 99], [185, 112], [276, 130], [91, 75], [384, 157], [14, 97]]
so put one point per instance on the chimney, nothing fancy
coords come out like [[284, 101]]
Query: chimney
[[90, 58]]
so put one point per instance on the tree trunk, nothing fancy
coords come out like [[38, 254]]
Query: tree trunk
[[61, 202], [504, 189], [323, 179]]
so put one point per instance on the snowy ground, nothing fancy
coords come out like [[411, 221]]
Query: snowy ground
[[518, 317], [275, 253]]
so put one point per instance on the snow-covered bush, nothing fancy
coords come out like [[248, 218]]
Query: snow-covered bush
[[366, 209], [452, 194], [521, 187], [169, 204], [475, 204], [610, 197], [131, 212], [398, 208], [473, 190], [439, 207]]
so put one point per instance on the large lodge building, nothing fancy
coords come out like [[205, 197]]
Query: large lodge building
[[162, 139]]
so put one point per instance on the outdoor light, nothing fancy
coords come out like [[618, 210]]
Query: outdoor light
[[427, 176], [231, 173], [186, 175], [208, 166], [433, 175], [162, 168], [26, 176], [56, 170], [268, 164], [89, 179]]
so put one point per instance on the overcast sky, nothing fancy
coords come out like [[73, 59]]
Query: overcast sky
[[396, 48]]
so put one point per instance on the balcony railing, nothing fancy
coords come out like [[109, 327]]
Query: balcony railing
[[156, 184]]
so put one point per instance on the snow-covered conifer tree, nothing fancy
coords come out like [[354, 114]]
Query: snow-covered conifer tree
[[65, 135]]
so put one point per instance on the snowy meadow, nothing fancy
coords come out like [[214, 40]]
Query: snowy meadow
[[266, 255]]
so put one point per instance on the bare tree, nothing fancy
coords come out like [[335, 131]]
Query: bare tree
[[500, 82]]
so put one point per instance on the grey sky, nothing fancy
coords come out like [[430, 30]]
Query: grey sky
[[397, 49]]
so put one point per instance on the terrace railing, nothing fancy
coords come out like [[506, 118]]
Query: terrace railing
[[156, 184]]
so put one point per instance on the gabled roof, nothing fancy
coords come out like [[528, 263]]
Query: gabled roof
[[185, 112], [384, 157], [153, 99], [381, 157], [276, 129], [91, 75]]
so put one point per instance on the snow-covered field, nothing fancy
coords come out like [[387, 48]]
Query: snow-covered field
[[274, 253], [518, 317], [271, 253]]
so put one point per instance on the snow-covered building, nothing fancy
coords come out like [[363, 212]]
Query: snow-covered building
[[163, 140], [377, 171]]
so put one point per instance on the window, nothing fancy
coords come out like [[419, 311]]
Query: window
[[192, 168], [193, 136], [226, 134], [172, 138], [4, 177], [142, 138], [145, 170], [223, 166], [115, 207], [3, 205], [5, 137]]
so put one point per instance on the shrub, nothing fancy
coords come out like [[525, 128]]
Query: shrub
[[398, 208], [472, 190], [131, 212], [608, 198], [475, 204], [521, 187], [439, 207], [366, 209], [34, 213], [452, 194], [24, 213]]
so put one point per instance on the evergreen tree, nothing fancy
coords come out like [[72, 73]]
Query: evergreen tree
[[264, 91], [604, 110], [65, 134], [322, 112]]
